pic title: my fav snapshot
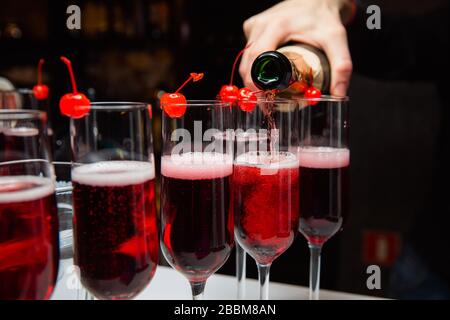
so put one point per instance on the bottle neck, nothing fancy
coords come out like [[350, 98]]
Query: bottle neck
[[294, 68], [272, 70]]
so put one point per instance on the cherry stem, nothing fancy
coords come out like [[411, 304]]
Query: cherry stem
[[41, 62], [310, 77], [184, 83], [235, 62], [72, 77]]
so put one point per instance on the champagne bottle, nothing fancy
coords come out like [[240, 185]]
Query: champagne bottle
[[293, 69]]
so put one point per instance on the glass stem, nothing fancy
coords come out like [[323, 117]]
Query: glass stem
[[198, 289], [240, 271], [83, 293], [88, 295], [263, 275], [314, 271]]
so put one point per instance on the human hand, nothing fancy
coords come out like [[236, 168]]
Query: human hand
[[319, 23]]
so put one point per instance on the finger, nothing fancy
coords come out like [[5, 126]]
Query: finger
[[245, 65], [245, 71], [336, 49], [266, 39], [248, 25]]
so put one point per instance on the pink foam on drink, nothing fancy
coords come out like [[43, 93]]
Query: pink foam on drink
[[21, 132], [24, 188], [324, 157], [197, 166], [268, 163], [114, 173]]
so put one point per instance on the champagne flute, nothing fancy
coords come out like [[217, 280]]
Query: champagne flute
[[324, 157], [265, 182], [115, 223], [28, 216], [196, 168]]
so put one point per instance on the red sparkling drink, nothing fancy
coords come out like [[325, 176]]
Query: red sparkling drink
[[196, 222], [265, 191], [324, 191], [29, 249], [115, 227]]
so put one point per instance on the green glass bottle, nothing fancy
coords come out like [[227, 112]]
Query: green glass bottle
[[292, 69]]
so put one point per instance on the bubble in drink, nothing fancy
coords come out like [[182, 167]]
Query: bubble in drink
[[29, 253], [265, 191], [196, 218], [324, 191], [115, 228]]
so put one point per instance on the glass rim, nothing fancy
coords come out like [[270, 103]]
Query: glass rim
[[17, 90], [323, 98], [208, 103], [202, 103], [262, 99], [116, 105], [21, 114], [60, 163]]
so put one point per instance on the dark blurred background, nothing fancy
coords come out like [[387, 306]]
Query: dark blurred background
[[132, 50]]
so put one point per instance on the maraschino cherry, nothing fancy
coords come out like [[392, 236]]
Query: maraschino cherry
[[230, 93], [247, 99], [174, 104], [40, 90], [75, 104], [312, 92]]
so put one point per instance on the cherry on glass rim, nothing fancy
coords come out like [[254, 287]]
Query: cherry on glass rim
[[247, 99], [75, 104], [175, 104], [40, 90], [313, 93], [230, 93]]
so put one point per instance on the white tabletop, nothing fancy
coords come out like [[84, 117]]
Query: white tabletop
[[168, 284]]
